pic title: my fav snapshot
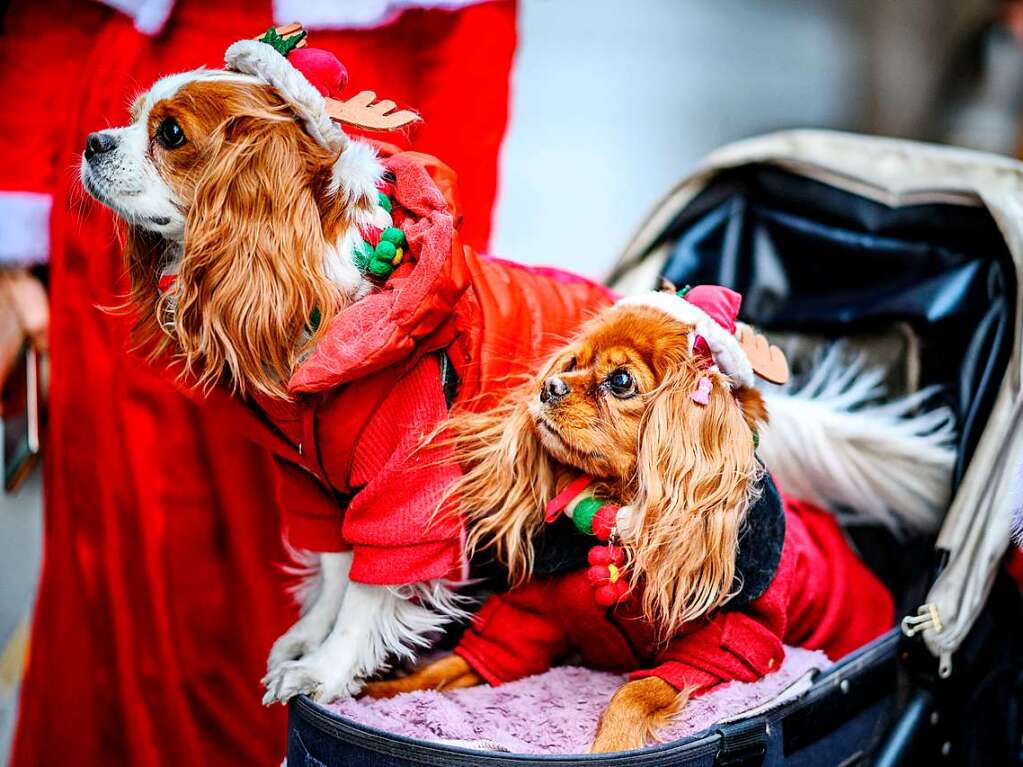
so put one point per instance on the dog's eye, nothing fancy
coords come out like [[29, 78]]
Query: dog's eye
[[570, 366], [621, 383], [169, 134]]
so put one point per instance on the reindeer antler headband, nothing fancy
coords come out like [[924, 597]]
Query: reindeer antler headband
[[311, 81], [712, 311]]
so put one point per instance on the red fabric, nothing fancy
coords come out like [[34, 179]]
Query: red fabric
[[719, 303], [310, 513], [159, 596], [322, 69], [389, 522], [371, 391], [822, 598]]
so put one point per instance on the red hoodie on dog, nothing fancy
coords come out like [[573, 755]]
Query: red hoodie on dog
[[802, 585], [352, 475]]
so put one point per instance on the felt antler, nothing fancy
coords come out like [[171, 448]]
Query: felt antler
[[768, 361], [328, 75], [361, 112]]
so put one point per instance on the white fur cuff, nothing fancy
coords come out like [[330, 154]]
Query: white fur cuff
[[727, 353], [261, 60]]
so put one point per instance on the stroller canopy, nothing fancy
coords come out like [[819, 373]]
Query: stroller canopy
[[833, 233]]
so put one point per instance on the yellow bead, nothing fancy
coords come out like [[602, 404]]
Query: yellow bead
[[398, 255], [612, 573]]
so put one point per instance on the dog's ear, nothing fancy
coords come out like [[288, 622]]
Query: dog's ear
[[509, 479], [146, 254], [252, 275], [754, 408], [695, 472]]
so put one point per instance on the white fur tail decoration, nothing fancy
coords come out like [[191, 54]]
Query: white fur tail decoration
[[826, 443]]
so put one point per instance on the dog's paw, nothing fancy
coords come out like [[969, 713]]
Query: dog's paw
[[312, 676], [297, 642], [288, 679], [338, 688]]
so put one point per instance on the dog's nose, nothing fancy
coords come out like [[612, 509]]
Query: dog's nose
[[98, 143], [553, 389]]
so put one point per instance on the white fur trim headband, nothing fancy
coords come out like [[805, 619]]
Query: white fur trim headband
[[724, 347], [261, 60]]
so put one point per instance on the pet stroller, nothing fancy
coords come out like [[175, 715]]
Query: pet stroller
[[886, 244]]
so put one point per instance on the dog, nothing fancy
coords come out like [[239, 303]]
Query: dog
[[653, 406], [320, 281]]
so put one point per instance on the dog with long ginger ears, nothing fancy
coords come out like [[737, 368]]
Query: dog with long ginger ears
[[654, 403]]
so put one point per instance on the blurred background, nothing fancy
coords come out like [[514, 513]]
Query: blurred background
[[610, 104]]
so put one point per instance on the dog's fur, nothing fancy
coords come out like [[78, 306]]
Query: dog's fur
[[688, 473], [258, 223]]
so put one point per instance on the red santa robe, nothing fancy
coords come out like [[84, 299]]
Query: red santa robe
[[161, 592]]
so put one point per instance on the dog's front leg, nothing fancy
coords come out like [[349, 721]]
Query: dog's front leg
[[319, 611], [375, 622], [451, 672]]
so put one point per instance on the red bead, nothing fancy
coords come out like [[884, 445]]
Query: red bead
[[606, 555], [598, 574], [371, 234], [605, 595], [608, 594], [604, 521]]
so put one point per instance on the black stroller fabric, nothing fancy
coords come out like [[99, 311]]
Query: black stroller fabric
[[811, 258], [808, 257]]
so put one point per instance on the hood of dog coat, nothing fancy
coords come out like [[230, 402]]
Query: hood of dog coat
[[418, 300]]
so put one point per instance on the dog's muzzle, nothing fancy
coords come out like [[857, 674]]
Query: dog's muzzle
[[99, 143]]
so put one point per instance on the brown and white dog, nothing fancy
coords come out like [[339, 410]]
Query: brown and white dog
[[250, 207], [666, 432], [237, 185]]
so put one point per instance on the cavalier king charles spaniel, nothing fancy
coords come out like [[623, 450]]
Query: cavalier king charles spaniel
[[254, 218], [654, 407]]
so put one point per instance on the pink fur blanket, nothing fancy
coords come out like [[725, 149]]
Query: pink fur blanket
[[556, 712]]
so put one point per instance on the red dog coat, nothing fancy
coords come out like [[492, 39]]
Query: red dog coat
[[351, 473], [821, 597]]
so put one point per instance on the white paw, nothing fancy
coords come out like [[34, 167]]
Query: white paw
[[297, 642], [288, 679], [314, 675]]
